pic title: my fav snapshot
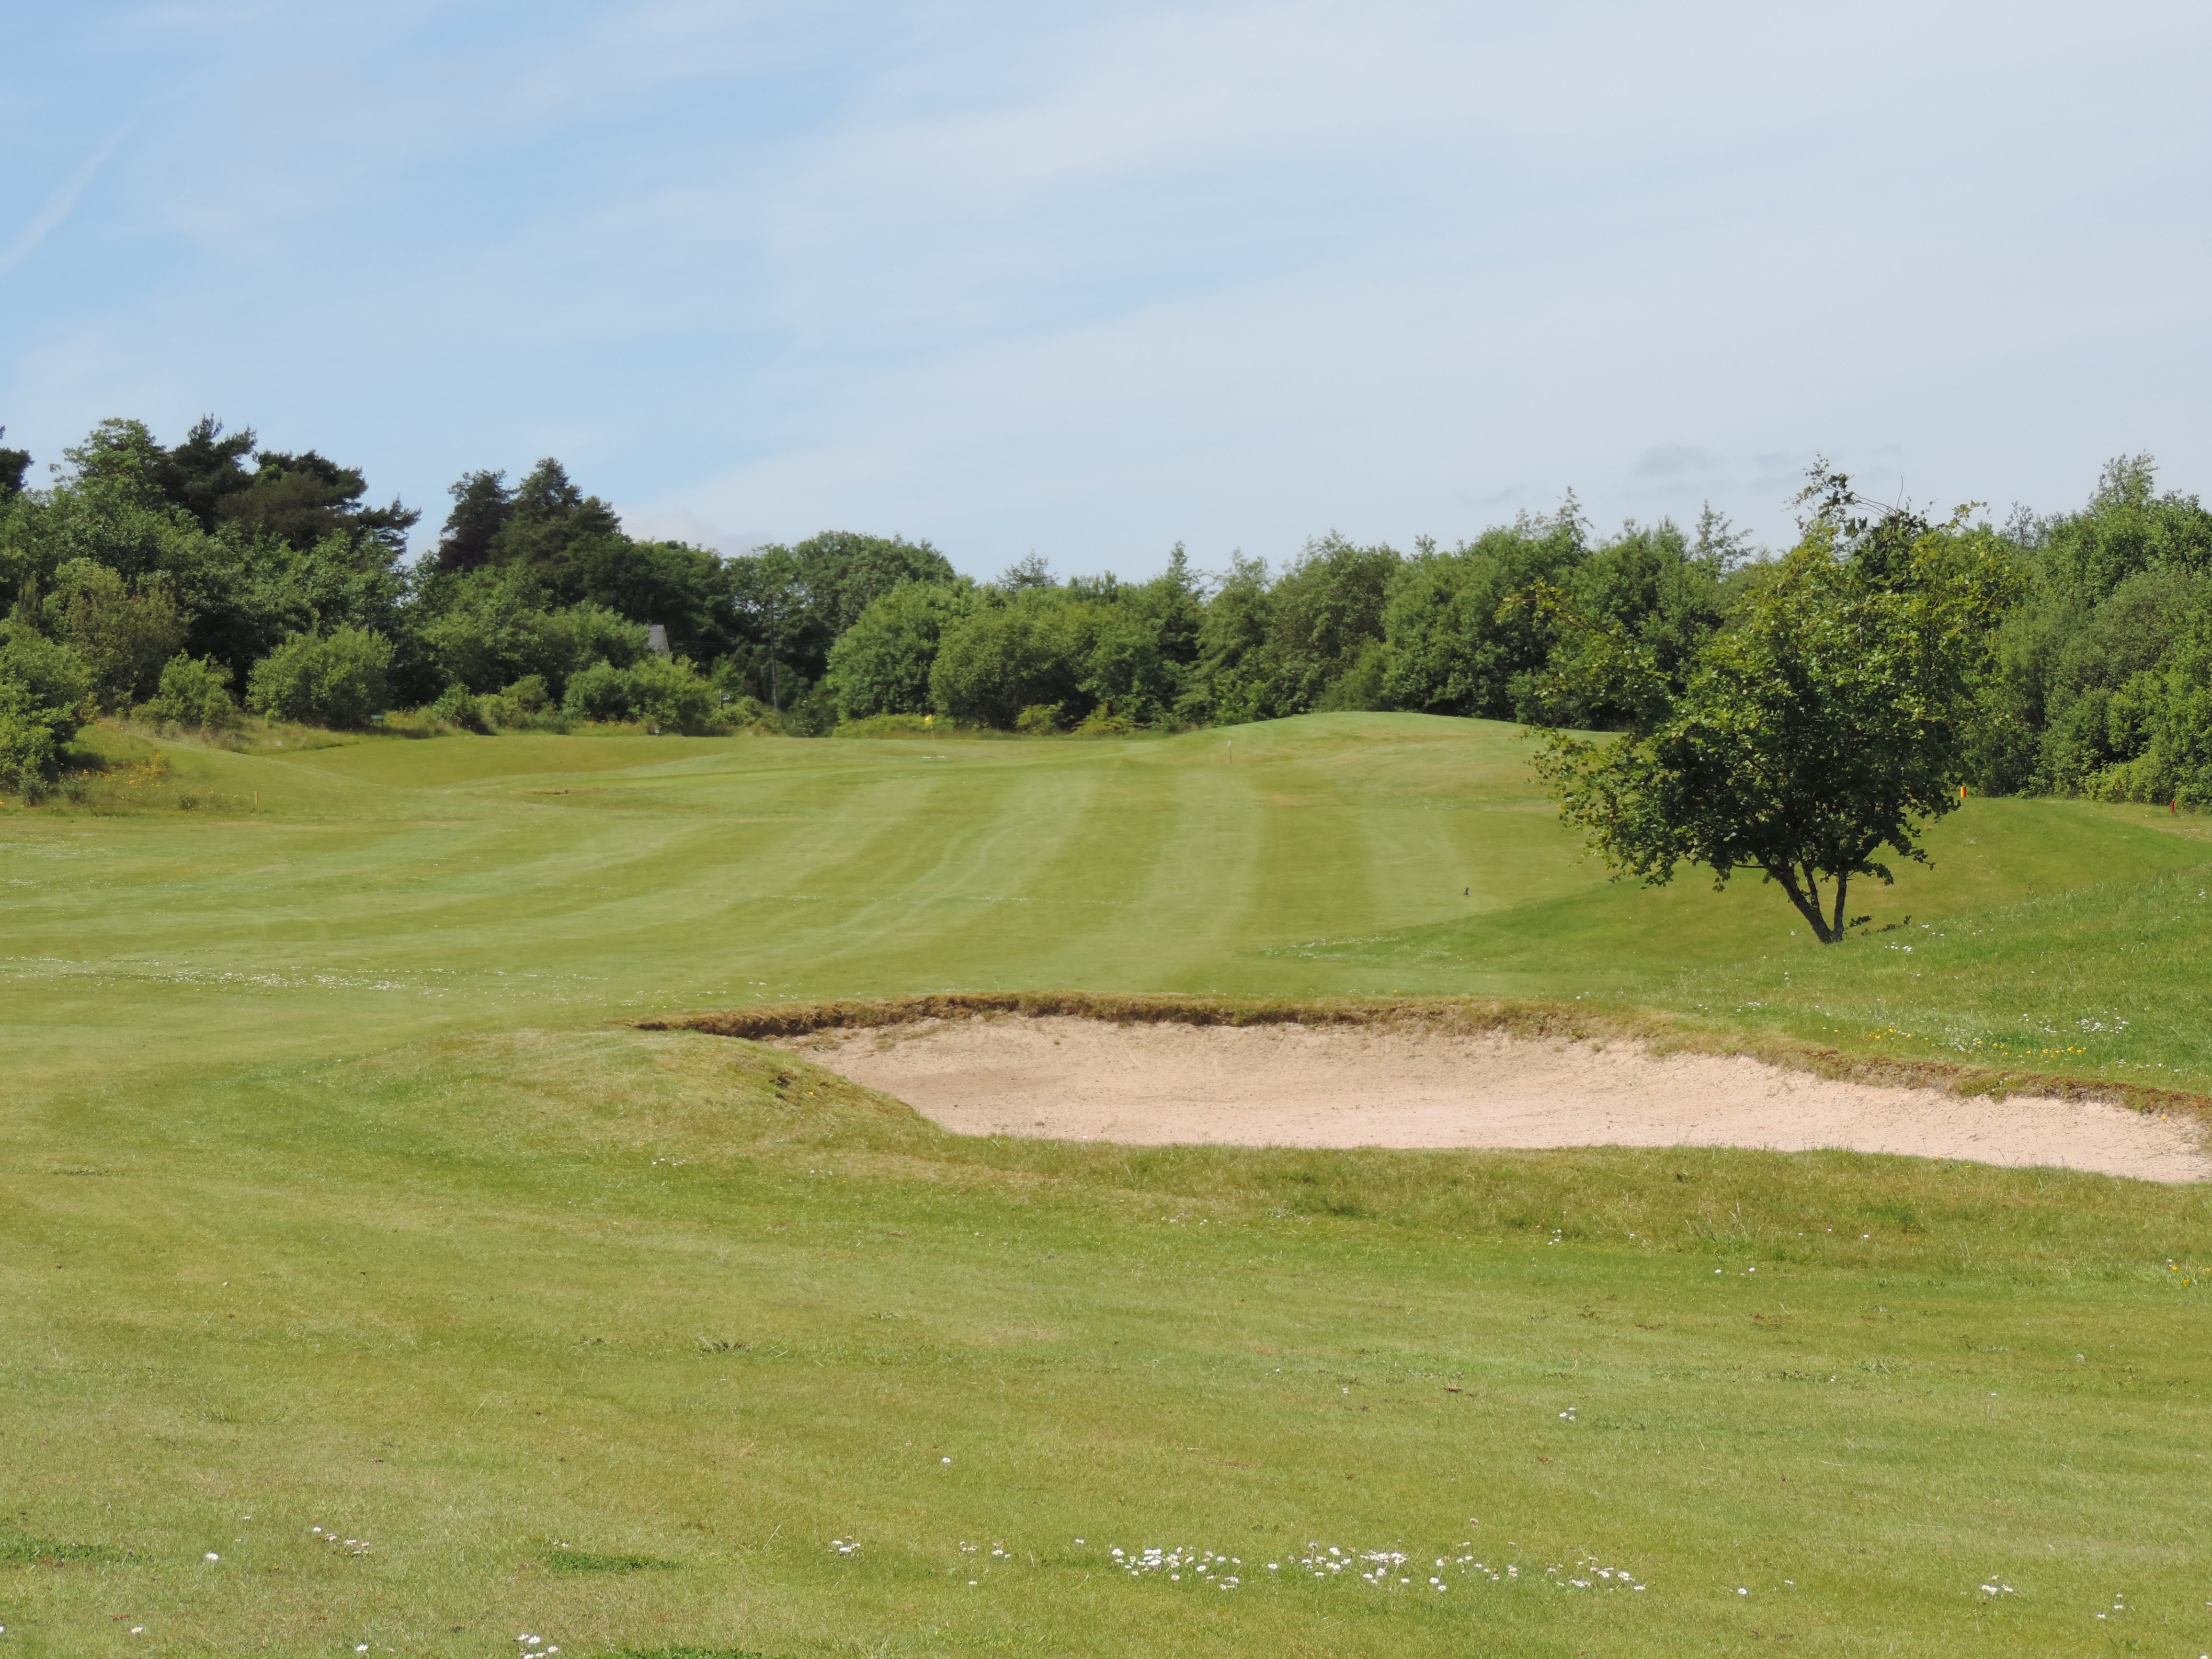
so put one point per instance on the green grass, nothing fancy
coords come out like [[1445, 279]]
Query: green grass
[[335, 1193]]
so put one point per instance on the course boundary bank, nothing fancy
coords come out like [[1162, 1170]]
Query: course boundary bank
[[1470, 1016]]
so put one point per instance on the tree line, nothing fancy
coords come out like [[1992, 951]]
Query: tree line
[[198, 583]]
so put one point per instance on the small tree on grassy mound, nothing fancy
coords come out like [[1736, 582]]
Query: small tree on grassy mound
[[1824, 724]]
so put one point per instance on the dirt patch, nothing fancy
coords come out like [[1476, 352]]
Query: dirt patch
[[1395, 1085]]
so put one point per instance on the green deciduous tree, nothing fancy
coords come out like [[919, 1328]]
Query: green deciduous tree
[[122, 631], [1825, 725], [1030, 649], [881, 665], [568, 548], [792, 603], [492, 627], [1454, 646], [14, 464], [2127, 527], [1227, 683], [1325, 616]]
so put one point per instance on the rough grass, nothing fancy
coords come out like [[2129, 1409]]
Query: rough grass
[[686, 1310]]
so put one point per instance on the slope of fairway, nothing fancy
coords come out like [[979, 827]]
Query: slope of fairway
[[337, 1202], [387, 887]]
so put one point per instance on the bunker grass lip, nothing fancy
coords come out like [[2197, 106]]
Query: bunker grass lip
[[1659, 1031]]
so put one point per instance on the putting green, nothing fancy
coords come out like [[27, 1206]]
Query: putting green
[[335, 1195]]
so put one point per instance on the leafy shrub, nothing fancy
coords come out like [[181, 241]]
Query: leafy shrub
[[54, 675], [1039, 719], [526, 703], [529, 693], [592, 633], [45, 696], [29, 755], [459, 706], [600, 692], [664, 693], [194, 692], [897, 726], [336, 679], [671, 695], [1103, 722]]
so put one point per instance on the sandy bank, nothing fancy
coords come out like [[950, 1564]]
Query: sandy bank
[[1289, 1086]]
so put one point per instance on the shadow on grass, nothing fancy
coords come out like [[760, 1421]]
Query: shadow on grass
[[25, 1551], [581, 1561]]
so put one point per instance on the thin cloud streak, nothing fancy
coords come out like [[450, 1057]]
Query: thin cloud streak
[[59, 205]]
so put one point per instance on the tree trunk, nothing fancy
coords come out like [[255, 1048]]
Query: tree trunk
[[1806, 896]]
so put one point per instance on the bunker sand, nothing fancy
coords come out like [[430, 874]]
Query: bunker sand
[[1059, 1078]]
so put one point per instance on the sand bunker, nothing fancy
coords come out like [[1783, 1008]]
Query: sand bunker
[[1289, 1085]]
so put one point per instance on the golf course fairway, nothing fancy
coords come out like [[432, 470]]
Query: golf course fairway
[[373, 1283]]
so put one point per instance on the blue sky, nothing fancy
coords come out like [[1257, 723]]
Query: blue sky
[[1089, 279]]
